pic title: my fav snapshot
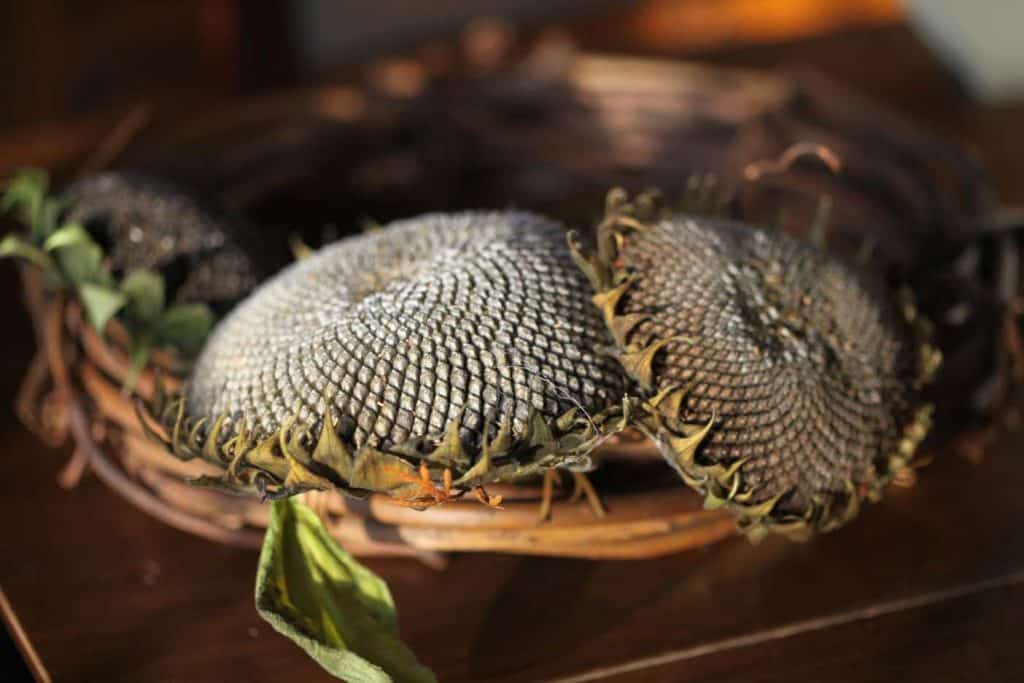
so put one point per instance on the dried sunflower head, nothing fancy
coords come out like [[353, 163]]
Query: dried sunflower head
[[449, 349], [783, 383], [151, 223]]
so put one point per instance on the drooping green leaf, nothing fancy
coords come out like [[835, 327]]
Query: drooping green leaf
[[185, 326], [101, 303], [145, 291], [14, 246], [338, 611], [67, 235]]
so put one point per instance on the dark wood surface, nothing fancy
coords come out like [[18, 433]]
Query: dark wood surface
[[926, 586]]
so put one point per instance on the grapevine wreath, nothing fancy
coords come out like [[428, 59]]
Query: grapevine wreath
[[780, 334]]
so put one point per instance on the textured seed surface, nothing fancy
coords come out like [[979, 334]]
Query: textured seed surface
[[152, 224], [400, 330], [806, 365]]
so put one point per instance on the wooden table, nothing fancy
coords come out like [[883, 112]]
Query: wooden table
[[926, 586]]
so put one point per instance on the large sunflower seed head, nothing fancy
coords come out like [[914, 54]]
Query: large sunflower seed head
[[784, 383], [463, 341]]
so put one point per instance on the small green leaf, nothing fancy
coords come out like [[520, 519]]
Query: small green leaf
[[338, 611], [145, 291], [27, 184], [26, 193], [79, 255], [80, 263], [49, 215], [185, 326], [67, 235], [14, 246], [101, 303]]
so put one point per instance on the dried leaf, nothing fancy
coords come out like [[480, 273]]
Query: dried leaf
[[300, 250], [639, 364]]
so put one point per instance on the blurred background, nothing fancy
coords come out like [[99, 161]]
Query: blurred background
[[75, 67], [67, 58]]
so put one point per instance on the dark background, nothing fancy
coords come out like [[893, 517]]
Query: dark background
[[73, 69]]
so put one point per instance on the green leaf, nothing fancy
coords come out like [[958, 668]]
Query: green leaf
[[80, 262], [67, 235], [49, 215], [14, 246], [185, 326], [26, 193], [101, 303], [141, 346], [79, 255], [27, 184], [338, 611], [145, 291]]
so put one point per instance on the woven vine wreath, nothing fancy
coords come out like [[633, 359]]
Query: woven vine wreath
[[442, 353], [434, 356]]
